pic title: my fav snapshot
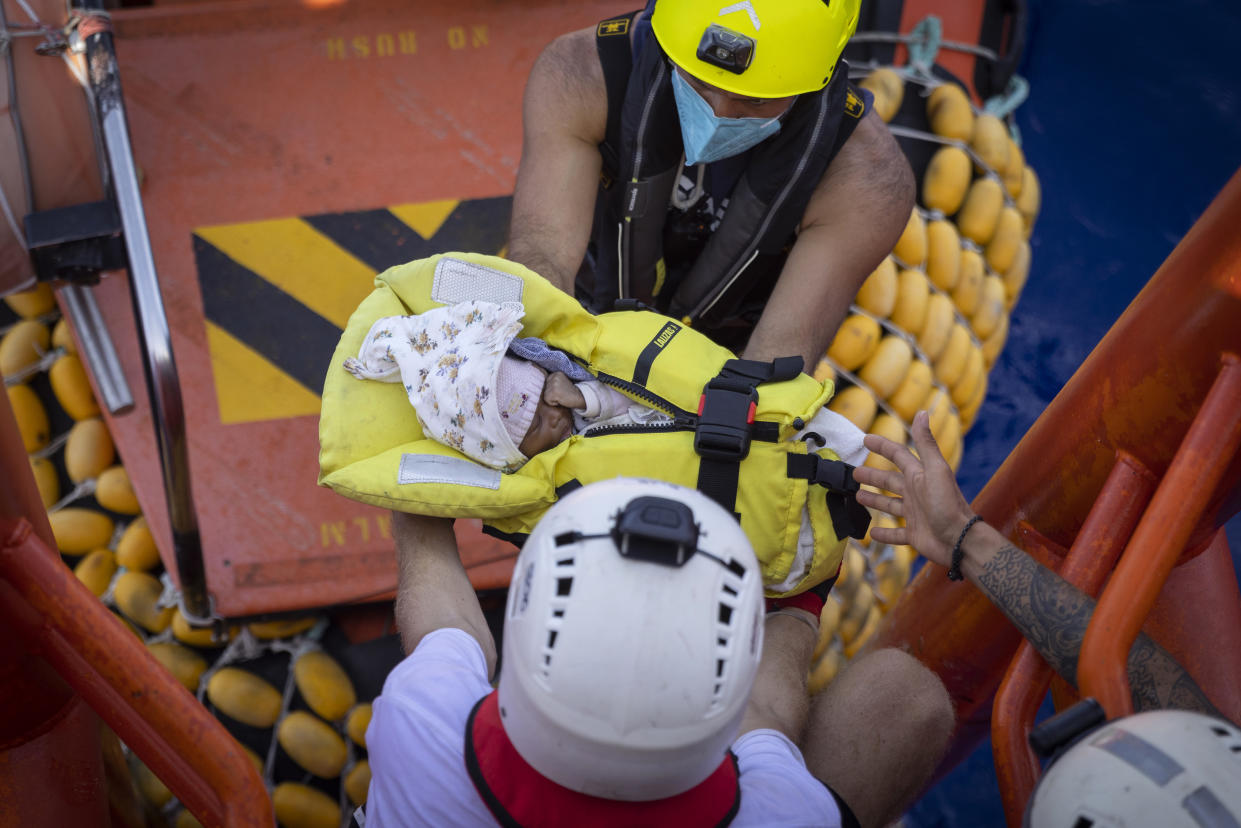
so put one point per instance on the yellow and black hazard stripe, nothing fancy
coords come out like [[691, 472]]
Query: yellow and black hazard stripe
[[277, 293]]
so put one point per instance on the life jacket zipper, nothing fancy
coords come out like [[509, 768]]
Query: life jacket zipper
[[636, 428], [681, 418]]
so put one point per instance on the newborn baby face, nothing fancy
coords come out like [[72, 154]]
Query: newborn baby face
[[553, 419]]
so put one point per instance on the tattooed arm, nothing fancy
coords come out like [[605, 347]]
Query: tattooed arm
[[1053, 615], [1049, 611]]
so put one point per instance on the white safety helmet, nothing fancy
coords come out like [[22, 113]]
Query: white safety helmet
[[1164, 768], [626, 674]]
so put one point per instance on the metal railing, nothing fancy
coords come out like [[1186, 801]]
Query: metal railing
[[154, 336]]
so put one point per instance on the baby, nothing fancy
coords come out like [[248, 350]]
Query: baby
[[541, 409], [471, 394]]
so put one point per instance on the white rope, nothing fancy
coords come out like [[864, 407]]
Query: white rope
[[12, 220], [46, 360], [696, 193], [889, 37], [34, 18], [83, 489]]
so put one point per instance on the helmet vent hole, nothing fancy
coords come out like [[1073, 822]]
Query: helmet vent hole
[[729, 590], [1219, 731], [723, 642], [736, 568], [1083, 822], [551, 640], [564, 586], [558, 613], [719, 668], [726, 614]]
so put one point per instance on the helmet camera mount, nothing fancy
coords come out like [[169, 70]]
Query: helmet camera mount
[[729, 50], [656, 529], [1053, 736]]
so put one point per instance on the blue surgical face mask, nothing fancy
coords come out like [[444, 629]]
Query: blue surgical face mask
[[709, 137]]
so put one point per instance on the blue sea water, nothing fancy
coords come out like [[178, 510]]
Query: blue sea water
[[1133, 124]]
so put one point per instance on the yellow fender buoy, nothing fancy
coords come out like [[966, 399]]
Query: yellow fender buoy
[[855, 404], [878, 293], [913, 290], [990, 141], [937, 326], [855, 341], [949, 112], [946, 180], [981, 211], [943, 254], [884, 371]]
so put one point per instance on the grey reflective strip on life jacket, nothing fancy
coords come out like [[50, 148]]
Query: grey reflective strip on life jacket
[[438, 468]]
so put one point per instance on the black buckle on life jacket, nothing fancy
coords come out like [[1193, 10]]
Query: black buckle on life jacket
[[728, 404], [628, 303], [725, 414], [849, 518], [833, 475], [726, 423]]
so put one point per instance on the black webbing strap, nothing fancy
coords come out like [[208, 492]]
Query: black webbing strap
[[616, 58], [726, 423], [565, 488], [518, 539], [642, 368], [849, 518]]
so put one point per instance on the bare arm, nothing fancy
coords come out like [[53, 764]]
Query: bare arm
[[1054, 615], [564, 116], [779, 700], [433, 591], [852, 221], [1049, 611]]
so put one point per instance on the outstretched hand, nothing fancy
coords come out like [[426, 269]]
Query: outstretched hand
[[924, 492], [560, 390]]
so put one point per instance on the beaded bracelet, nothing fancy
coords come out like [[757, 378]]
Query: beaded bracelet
[[954, 571]]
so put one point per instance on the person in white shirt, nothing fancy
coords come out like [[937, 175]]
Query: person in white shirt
[[641, 685]]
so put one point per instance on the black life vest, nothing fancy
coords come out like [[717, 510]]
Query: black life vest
[[519, 797], [740, 261]]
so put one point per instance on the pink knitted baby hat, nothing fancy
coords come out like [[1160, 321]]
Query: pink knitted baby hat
[[519, 386]]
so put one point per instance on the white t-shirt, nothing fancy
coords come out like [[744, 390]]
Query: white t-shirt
[[416, 741]]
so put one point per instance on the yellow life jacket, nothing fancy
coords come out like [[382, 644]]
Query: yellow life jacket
[[372, 448]]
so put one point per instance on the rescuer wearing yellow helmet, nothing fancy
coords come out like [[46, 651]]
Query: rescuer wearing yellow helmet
[[710, 158]]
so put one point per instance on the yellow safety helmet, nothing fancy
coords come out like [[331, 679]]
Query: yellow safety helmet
[[757, 48]]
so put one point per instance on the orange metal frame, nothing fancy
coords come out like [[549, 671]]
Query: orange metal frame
[[47, 616], [1158, 534], [1160, 538], [1111, 521]]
